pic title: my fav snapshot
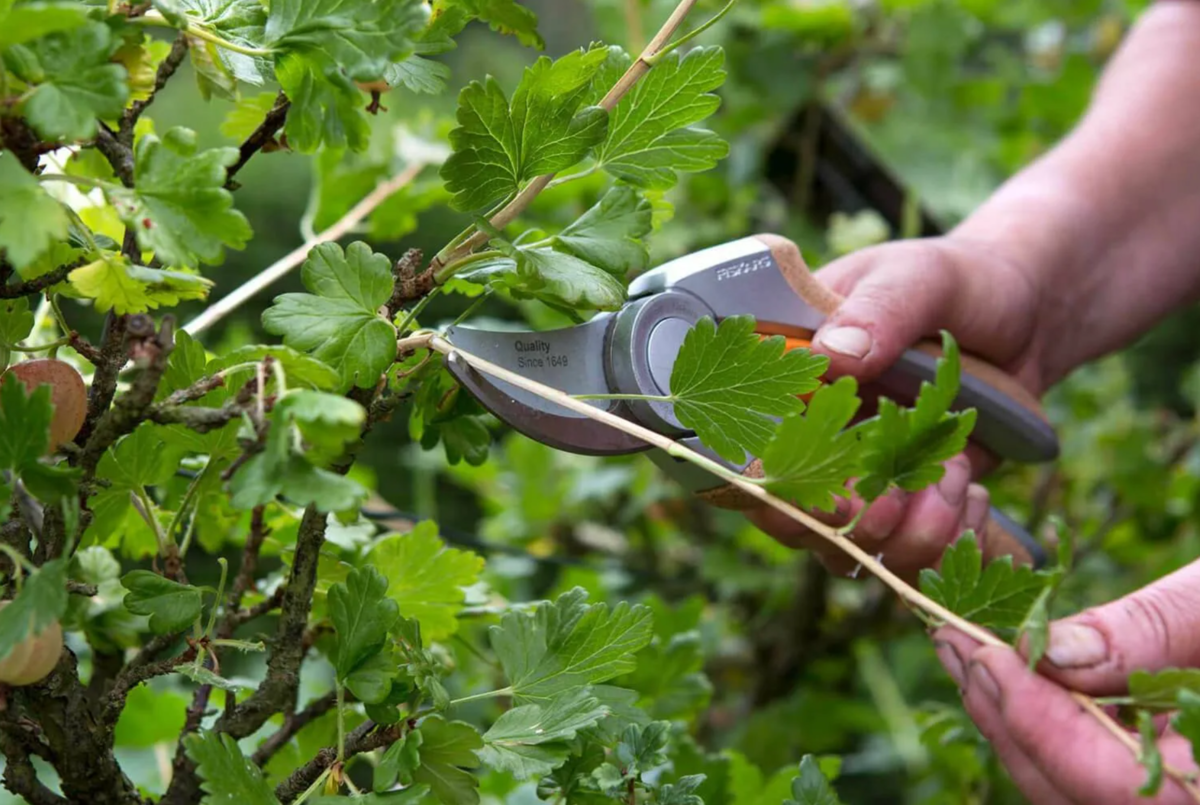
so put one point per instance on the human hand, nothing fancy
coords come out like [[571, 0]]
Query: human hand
[[897, 294], [1056, 752]]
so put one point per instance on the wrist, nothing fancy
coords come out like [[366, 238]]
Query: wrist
[[1041, 237]]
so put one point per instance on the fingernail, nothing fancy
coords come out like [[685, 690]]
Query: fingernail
[[1073, 645], [853, 342], [982, 677], [953, 486], [978, 504], [952, 662]]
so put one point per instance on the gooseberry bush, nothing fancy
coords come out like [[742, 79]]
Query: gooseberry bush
[[359, 668]]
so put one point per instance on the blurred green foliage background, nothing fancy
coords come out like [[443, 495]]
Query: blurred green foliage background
[[761, 654]]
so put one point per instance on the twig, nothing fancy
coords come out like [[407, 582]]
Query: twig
[[362, 739], [20, 777], [292, 724], [618, 91], [281, 267], [117, 153], [130, 410], [906, 592], [132, 676], [37, 284], [166, 69], [259, 138]]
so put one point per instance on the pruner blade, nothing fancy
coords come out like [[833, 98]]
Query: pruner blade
[[570, 360]]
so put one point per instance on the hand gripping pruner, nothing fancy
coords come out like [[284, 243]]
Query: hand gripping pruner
[[633, 350]]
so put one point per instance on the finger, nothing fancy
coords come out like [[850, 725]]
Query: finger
[[894, 296], [1043, 721], [933, 519], [1154, 628], [1025, 773]]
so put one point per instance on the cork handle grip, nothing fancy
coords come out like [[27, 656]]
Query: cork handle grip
[[826, 301]]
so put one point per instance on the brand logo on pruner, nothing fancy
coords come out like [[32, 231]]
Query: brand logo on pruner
[[532, 346], [747, 266]]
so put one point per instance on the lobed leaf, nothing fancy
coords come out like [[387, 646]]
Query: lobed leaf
[[362, 615], [425, 578], [811, 786], [568, 643], [227, 777], [337, 322], [30, 220], [728, 383], [651, 135], [907, 447], [171, 606], [179, 207], [533, 740], [447, 751], [998, 596]]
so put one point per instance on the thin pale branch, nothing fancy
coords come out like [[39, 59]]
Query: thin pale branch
[[906, 592], [281, 267], [618, 91]]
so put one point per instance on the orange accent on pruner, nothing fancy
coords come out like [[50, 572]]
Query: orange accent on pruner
[[791, 343]]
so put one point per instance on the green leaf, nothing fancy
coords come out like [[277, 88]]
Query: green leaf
[[203, 676], [553, 277], [412, 795], [238, 21], [811, 457], [74, 82], [651, 136], [118, 285], [299, 368], [447, 749], [504, 16], [1035, 627], [682, 792], [30, 220], [425, 578], [228, 778], [326, 106], [610, 234], [337, 322], [728, 382], [150, 717], [670, 677], [641, 748], [996, 597], [532, 740], [1187, 721], [362, 615], [812, 787], [418, 74], [16, 323], [247, 115], [372, 681], [362, 38], [179, 207], [41, 603], [907, 447], [30, 21], [172, 607], [1150, 758], [568, 643], [185, 365], [1161, 690], [24, 425], [498, 146], [278, 470], [399, 763]]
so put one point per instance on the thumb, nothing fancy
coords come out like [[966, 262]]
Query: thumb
[[1154, 628], [895, 295]]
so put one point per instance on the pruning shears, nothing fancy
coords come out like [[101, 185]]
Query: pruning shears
[[632, 351]]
